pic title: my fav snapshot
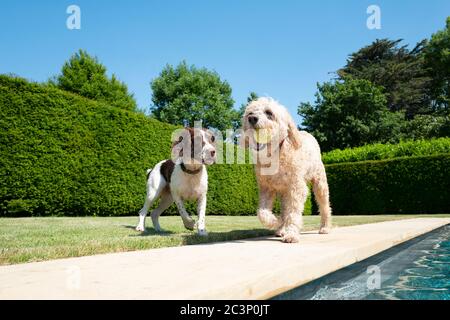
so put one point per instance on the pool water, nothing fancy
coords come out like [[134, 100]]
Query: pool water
[[416, 270]]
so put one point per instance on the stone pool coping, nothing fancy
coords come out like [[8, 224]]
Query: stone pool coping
[[245, 269]]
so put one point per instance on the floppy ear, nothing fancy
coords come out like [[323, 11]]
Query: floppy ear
[[177, 148], [243, 139], [293, 134]]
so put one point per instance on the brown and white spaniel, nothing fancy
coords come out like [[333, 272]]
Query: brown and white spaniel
[[184, 177]]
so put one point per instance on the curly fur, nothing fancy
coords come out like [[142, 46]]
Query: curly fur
[[297, 158]]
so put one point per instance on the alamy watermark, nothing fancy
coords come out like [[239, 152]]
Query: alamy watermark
[[374, 20], [374, 279], [73, 22]]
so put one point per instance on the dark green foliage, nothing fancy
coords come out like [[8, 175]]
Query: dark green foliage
[[381, 151], [402, 185], [86, 76], [347, 114], [251, 97], [185, 94], [426, 126], [66, 155], [353, 113], [62, 154], [400, 71], [232, 190], [415, 83], [437, 59]]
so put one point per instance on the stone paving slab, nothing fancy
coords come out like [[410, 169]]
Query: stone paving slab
[[247, 269]]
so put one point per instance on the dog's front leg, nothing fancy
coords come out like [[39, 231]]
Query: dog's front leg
[[265, 215], [201, 210], [188, 222], [292, 205]]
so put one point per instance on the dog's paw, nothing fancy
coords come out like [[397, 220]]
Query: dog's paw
[[268, 219], [280, 232], [291, 237], [202, 233], [140, 228], [189, 224], [324, 230]]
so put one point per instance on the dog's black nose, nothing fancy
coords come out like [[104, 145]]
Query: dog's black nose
[[213, 153], [253, 120]]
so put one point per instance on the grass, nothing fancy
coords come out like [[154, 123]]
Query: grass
[[37, 239]]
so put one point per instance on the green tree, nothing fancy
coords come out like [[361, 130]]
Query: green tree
[[251, 97], [400, 71], [348, 114], [184, 94], [425, 126], [437, 59], [86, 76]]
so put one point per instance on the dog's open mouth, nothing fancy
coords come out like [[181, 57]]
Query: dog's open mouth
[[208, 161], [260, 146], [261, 137]]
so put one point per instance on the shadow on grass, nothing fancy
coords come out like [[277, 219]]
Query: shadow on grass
[[191, 237], [148, 232], [212, 237]]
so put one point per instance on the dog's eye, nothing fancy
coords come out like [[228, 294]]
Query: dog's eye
[[213, 139], [269, 114]]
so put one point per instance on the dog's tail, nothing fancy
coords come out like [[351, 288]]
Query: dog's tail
[[148, 172]]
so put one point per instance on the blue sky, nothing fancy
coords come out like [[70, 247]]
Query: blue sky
[[276, 48]]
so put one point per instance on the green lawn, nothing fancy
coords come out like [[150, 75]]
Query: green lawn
[[37, 239]]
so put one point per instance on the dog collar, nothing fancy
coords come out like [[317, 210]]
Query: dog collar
[[186, 170], [279, 145]]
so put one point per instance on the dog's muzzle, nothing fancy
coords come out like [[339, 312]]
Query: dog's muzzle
[[209, 157]]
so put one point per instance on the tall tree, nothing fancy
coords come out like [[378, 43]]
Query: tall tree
[[184, 94], [85, 75], [251, 97], [396, 68], [437, 59], [348, 114]]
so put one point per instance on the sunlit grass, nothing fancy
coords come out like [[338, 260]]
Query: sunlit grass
[[37, 239]]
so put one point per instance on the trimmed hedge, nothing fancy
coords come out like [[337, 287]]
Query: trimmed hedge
[[398, 186], [380, 151], [62, 154]]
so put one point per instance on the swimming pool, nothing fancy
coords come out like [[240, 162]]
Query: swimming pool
[[416, 270]]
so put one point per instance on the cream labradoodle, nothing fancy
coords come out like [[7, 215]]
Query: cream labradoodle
[[286, 161]]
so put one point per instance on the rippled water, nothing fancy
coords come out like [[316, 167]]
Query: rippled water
[[418, 269], [427, 277]]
